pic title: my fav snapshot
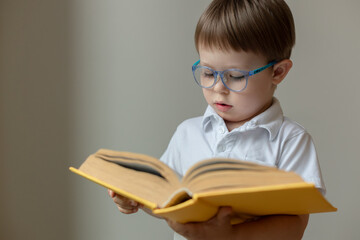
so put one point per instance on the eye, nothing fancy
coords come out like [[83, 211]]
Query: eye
[[207, 74], [235, 76]]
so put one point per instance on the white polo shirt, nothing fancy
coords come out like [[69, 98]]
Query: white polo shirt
[[268, 139]]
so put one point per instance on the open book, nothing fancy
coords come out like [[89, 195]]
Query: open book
[[251, 190]]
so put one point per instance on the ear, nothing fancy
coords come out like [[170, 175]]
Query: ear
[[281, 69]]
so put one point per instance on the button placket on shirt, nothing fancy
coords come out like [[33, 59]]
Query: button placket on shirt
[[226, 143], [220, 146]]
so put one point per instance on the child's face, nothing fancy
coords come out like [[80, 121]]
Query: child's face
[[238, 107]]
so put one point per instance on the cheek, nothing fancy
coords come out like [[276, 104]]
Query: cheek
[[207, 94], [260, 86]]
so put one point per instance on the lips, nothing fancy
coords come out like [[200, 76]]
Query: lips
[[223, 107]]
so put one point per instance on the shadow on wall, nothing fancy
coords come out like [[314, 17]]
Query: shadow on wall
[[34, 124]]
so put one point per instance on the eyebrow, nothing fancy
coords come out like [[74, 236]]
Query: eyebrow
[[205, 64]]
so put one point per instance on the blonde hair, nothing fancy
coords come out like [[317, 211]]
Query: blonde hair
[[261, 26]]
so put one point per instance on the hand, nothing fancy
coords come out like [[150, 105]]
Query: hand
[[124, 204], [218, 227]]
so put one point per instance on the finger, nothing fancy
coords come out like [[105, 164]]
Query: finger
[[127, 211], [127, 206], [224, 215], [122, 201], [111, 193]]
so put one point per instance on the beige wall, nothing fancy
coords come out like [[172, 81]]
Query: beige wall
[[70, 74], [34, 120], [322, 94]]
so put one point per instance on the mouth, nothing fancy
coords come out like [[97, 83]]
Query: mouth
[[223, 107]]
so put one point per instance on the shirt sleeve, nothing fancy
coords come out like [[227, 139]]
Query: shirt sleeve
[[172, 154], [299, 155]]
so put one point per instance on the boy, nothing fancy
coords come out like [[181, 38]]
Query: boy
[[244, 48]]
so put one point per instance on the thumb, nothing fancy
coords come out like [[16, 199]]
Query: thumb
[[224, 215]]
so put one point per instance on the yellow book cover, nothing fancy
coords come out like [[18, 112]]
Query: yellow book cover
[[252, 190]]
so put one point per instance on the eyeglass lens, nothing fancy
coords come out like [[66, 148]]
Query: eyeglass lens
[[234, 80]]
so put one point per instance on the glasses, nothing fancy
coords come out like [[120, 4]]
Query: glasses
[[233, 79]]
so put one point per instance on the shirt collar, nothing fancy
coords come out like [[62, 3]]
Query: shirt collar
[[271, 120]]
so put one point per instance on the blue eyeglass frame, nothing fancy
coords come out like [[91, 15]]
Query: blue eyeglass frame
[[247, 74]]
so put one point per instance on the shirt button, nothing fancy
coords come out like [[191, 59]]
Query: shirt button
[[222, 130], [222, 148]]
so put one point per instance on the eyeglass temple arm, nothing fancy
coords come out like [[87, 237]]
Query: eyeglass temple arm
[[253, 72]]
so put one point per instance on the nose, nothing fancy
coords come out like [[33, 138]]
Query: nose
[[219, 86]]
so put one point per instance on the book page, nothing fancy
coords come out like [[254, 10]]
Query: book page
[[140, 162], [127, 181], [217, 174]]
